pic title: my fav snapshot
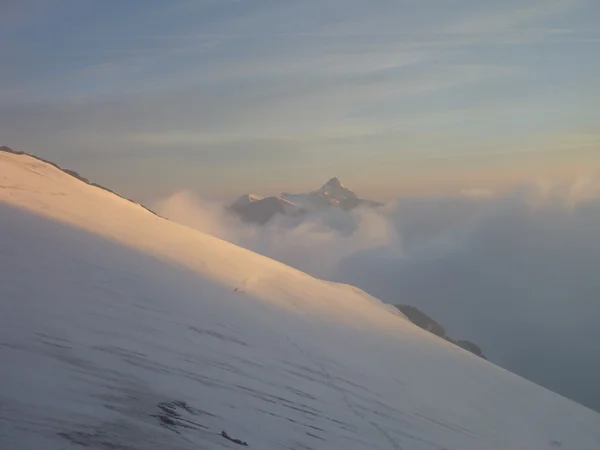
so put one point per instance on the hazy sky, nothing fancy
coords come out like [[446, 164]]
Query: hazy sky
[[227, 96]]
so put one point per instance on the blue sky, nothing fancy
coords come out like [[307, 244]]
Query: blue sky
[[226, 96]]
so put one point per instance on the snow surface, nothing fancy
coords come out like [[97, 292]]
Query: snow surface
[[122, 330]]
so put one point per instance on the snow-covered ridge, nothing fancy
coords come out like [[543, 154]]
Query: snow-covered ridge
[[72, 173], [101, 211], [120, 329]]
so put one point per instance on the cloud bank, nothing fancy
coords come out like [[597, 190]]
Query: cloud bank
[[516, 273]]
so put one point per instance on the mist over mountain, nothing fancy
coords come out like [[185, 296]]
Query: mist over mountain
[[254, 208], [512, 272]]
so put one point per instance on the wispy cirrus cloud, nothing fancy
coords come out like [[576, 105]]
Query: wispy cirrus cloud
[[344, 80], [509, 16]]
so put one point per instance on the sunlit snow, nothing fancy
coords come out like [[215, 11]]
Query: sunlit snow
[[122, 330]]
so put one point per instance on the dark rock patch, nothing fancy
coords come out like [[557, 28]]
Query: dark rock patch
[[235, 441], [422, 320]]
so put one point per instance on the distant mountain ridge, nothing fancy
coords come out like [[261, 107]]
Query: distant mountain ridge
[[333, 194]]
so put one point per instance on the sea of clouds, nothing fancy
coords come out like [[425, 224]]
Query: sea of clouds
[[516, 273]]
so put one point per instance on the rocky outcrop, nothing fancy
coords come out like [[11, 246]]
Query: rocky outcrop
[[262, 210], [422, 320]]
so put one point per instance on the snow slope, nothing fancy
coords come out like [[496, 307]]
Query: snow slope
[[122, 330]]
